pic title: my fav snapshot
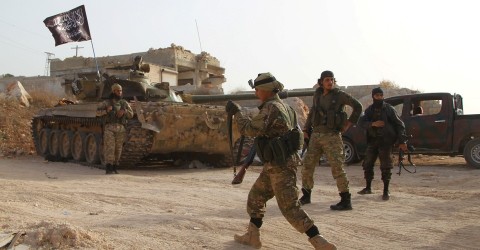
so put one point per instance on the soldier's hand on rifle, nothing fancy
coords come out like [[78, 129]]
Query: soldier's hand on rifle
[[232, 108], [120, 113], [403, 147], [109, 108]]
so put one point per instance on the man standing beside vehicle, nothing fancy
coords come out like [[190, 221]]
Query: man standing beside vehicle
[[384, 128], [326, 121], [116, 111]]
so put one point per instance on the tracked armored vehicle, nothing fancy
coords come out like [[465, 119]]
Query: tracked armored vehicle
[[164, 126]]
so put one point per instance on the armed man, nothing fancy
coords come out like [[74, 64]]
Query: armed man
[[116, 111], [384, 129], [327, 119], [277, 141]]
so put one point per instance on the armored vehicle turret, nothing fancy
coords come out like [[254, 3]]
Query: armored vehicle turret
[[164, 127]]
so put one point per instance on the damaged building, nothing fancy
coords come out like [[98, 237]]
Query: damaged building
[[182, 69]]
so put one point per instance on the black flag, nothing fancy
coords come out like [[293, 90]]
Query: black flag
[[70, 26]]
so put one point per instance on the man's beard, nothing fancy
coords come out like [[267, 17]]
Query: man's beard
[[117, 97], [377, 103]]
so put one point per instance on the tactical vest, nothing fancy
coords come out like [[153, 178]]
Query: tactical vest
[[279, 148], [111, 116], [334, 117]]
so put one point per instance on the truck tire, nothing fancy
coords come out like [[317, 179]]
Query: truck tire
[[350, 151], [471, 152]]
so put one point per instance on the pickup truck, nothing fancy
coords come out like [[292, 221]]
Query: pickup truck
[[436, 124]]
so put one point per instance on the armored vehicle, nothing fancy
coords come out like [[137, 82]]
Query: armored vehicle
[[164, 126]]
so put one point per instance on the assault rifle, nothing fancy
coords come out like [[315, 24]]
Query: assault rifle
[[238, 177], [306, 141], [401, 157]]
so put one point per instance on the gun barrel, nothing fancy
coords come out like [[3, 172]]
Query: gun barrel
[[243, 96]]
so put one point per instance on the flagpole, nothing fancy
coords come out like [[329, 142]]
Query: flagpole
[[95, 57]]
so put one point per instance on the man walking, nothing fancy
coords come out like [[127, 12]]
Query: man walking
[[277, 143]]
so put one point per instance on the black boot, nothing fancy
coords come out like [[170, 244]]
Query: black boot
[[386, 193], [114, 169], [306, 196], [108, 169], [386, 176], [345, 203], [367, 189]]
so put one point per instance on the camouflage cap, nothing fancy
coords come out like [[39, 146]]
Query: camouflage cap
[[116, 86], [267, 81]]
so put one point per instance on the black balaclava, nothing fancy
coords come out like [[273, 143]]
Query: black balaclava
[[377, 103]]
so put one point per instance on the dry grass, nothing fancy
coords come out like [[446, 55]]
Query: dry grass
[[42, 99], [15, 123]]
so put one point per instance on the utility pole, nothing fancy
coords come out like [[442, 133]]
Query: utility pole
[[47, 63], [76, 50]]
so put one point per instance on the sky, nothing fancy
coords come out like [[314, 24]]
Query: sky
[[426, 45]]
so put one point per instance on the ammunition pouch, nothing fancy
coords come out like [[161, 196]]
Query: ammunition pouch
[[278, 149], [336, 119], [294, 139], [264, 152]]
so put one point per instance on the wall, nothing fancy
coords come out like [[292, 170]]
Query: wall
[[37, 83]]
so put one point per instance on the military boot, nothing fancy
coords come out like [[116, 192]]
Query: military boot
[[108, 169], [306, 196], [321, 243], [114, 169], [367, 189], [251, 237], [386, 193], [345, 202], [386, 176]]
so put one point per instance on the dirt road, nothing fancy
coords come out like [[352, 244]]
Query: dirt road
[[66, 205]]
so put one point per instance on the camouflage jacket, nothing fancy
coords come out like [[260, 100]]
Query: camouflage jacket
[[273, 120], [111, 117], [337, 98], [394, 129]]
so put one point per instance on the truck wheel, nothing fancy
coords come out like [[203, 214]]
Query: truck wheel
[[471, 152], [350, 152]]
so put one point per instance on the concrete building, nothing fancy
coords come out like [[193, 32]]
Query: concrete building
[[182, 69]]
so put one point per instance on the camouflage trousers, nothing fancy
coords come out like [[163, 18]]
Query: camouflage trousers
[[384, 153], [281, 183], [330, 144], [113, 139]]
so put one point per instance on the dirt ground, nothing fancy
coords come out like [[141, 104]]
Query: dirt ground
[[71, 206], [67, 205]]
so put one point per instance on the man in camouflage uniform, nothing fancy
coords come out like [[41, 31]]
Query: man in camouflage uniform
[[116, 111], [384, 128], [271, 128], [327, 120]]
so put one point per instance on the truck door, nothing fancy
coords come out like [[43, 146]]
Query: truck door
[[428, 120]]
